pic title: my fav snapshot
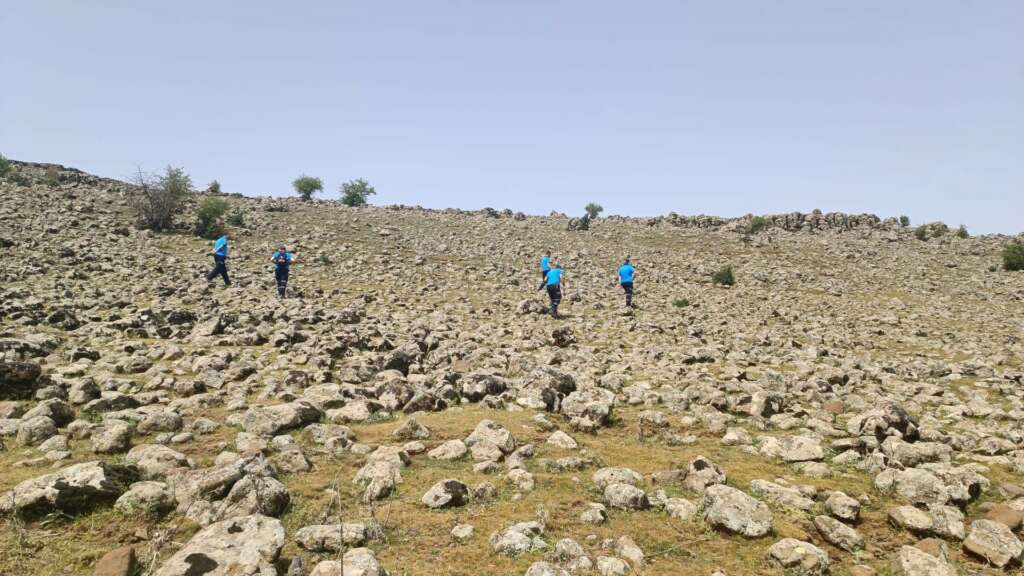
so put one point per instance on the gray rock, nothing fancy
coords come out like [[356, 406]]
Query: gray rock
[[799, 557], [147, 497], [331, 537], [449, 450], [843, 507], [702, 473], [113, 438], [447, 493], [911, 561], [272, 420], [625, 497], [77, 488], [728, 508], [245, 545], [994, 542], [155, 461], [838, 534]]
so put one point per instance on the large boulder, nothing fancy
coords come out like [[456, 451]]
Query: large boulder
[[272, 420], [246, 545], [446, 494], [994, 542], [77, 488], [155, 460], [730, 509], [799, 558], [17, 380]]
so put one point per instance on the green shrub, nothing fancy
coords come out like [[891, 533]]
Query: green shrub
[[1013, 257], [209, 217], [213, 188], [15, 177], [324, 259], [904, 221], [236, 218], [5, 166], [355, 192], [158, 199], [757, 224], [593, 210], [938, 229], [961, 232], [52, 177], [724, 277], [680, 302], [921, 233], [306, 186]]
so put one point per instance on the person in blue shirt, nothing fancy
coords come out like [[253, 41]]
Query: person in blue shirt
[[626, 275], [545, 265], [554, 280], [282, 260], [220, 257]]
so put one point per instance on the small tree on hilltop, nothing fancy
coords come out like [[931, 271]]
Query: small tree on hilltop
[[213, 188], [355, 192], [158, 199], [209, 217], [306, 186], [593, 210], [757, 224], [1013, 257], [5, 166], [904, 221], [962, 232]]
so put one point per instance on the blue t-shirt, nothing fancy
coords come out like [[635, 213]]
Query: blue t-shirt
[[545, 263], [554, 276], [626, 273], [288, 257], [220, 247]]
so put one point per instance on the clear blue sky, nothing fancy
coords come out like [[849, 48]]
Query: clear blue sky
[[718, 107]]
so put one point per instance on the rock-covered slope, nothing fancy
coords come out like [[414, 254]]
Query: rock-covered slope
[[855, 403]]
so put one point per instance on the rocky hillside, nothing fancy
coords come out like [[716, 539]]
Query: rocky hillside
[[854, 404]]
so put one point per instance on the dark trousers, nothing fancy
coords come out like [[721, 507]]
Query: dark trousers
[[281, 275], [220, 268], [627, 287], [555, 293]]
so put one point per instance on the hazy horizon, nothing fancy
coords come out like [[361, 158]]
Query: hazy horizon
[[686, 107]]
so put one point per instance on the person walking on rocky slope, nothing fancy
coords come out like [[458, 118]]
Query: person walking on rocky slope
[[545, 266], [282, 260], [626, 274], [554, 281], [220, 257]]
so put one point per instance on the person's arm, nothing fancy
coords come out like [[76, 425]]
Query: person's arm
[[295, 256]]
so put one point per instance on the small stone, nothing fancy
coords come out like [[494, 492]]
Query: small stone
[[118, 562]]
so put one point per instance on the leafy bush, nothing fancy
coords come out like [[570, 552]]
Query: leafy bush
[[158, 199], [921, 233], [236, 218], [5, 166], [209, 217], [593, 210], [680, 302], [904, 221], [213, 188], [355, 192], [724, 277], [52, 177], [1013, 257], [306, 186], [962, 232], [757, 224]]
